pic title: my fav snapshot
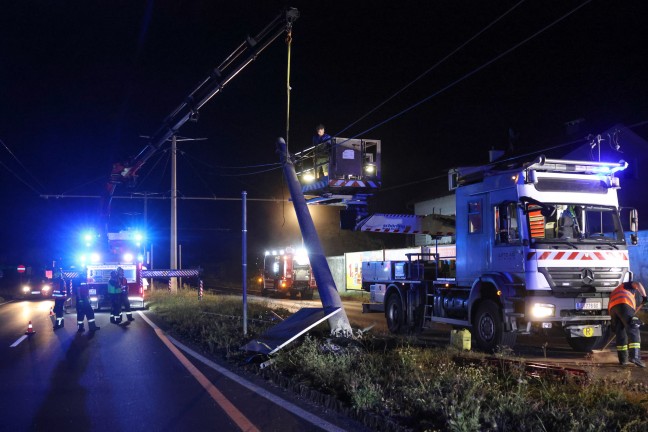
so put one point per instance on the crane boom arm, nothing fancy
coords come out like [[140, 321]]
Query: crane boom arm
[[239, 59]]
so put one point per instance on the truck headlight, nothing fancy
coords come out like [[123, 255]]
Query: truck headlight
[[542, 310], [46, 288], [26, 288]]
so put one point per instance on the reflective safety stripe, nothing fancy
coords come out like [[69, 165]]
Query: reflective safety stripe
[[622, 347], [634, 345], [91, 320], [80, 322]]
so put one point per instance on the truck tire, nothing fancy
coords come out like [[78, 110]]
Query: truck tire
[[588, 344], [307, 294], [488, 328], [395, 314]]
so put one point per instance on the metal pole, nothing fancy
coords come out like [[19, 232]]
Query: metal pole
[[180, 265], [244, 260], [328, 293], [173, 263]]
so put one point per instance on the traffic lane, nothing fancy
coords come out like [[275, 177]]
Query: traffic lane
[[115, 379], [269, 408], [15, 316], [119, 378]]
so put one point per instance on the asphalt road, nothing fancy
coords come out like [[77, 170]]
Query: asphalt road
[[121, 378]]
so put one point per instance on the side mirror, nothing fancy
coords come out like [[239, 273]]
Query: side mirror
[[634, 221], [634, 226]]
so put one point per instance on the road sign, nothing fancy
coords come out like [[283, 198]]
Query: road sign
[[21, 269]]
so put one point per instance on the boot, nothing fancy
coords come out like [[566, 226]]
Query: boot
[[81, 329], [118, 319], [59, 324], [623, 357], [130, 317], [93, 327], [635, 357], [113, 319]]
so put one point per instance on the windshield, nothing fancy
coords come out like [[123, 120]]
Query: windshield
[[566, 222]]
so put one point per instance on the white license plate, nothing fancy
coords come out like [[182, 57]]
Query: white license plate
[[589, 306], [92, 291]]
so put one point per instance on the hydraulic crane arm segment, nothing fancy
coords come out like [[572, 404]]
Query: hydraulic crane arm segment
[[215, 82], [241, 57]]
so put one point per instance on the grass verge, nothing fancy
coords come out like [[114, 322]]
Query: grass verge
[[415, 387]]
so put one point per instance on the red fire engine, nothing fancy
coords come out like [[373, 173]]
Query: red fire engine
[[288, 271]]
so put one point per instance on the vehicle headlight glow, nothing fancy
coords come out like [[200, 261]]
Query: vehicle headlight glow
[[95, 257], [46, 288], [542, 310], [26, 288], [308, 177], [128, 257]]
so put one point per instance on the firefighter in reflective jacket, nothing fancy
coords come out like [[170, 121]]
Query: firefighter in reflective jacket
[[123, 283], [114, 292], [83, 307], [625, 300], [60, 292]]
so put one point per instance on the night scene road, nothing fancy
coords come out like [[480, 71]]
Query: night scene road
[[127, 377]]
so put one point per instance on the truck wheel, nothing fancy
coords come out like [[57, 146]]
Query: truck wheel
[[395, 314], [588, 344], [489, 329], [307, 294]]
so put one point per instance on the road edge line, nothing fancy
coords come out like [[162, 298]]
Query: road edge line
[[228, 407], [299, 412]]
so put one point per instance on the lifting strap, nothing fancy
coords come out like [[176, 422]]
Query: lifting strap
[[289, 43]]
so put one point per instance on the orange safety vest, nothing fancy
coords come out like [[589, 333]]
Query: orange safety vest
[[621, 295]]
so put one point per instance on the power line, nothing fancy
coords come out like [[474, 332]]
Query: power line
[[437, 64], [474, 71], [23, 167]]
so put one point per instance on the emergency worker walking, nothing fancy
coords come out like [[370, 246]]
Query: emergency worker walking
[[83, 307], [115, 293], [60, 292], [625, 300], [123, 283]]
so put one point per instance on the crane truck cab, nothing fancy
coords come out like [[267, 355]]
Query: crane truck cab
[[541, 246]]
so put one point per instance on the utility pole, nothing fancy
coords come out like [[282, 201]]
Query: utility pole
[[173, 261]]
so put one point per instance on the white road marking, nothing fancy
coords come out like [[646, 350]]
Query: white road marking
[[20, 339], [309, 417]]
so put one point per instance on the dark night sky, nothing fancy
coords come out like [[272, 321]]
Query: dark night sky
[[81, 81]]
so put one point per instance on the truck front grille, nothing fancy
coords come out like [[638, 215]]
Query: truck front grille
[[577, 279]]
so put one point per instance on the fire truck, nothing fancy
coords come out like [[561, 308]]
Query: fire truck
[[124, 251], [287, 271], [540, 246]]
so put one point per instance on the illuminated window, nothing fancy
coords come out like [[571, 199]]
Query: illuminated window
[[506, 223]]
